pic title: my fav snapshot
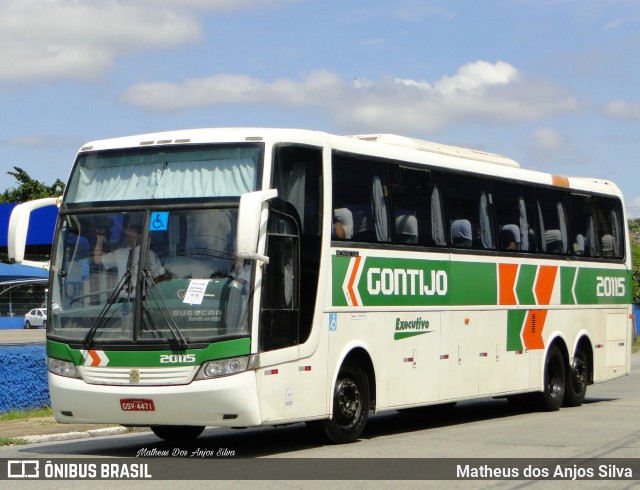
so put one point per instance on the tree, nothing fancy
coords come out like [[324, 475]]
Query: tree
[[30, 189], [635, 251]]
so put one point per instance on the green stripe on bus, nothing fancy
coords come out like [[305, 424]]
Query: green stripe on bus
[[339, 267], [515, 319], [216, 350], [473, 283], [524, 286], [567, 276], [406, 335], [383, 281], [603, 286]]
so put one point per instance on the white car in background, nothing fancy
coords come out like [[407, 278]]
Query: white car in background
[[36, 318]]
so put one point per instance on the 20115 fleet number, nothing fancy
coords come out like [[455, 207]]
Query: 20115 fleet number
[[610, 286], [177, 358]]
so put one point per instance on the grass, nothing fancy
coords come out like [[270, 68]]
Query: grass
[[26, 414], [22, 415], [7, 441]]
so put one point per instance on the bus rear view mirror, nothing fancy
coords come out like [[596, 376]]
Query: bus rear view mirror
[[252, 222], [19, 225]]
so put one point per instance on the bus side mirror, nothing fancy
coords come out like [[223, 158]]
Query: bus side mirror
[[19, 225], [252, 222]]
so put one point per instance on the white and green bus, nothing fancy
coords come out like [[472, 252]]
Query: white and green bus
[[296, 276]]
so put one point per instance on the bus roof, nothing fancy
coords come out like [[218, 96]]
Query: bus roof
[[431, 147], [443, 155]]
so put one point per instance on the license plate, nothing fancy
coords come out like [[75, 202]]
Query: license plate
[[136, 405]]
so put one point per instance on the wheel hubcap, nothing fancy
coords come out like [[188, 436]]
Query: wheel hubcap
[[348, 399], [579, 371], [555, 381]]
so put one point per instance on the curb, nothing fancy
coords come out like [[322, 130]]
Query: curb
[[68, 436]]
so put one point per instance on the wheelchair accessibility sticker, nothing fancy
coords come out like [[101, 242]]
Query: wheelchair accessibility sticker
[[333, 322], [159, 221]]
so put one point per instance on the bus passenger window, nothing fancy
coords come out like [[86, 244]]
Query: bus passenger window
[[608, 227], [553, 221], [360, 188], [416, 207], [514, 207], [469, 204]]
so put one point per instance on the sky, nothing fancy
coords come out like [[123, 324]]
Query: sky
[[553, 84]]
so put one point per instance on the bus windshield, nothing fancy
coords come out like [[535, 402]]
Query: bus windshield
[[144, 277], [174, 172]]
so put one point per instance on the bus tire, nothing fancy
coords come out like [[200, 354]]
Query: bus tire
[[351, 404], [577, 380], [177, 432], [554, 382]]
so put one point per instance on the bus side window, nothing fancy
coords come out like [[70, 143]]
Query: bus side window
[[514, 216], [552, 218], [412, 193], [469, 206], [281, 282], [582, 229], [608, 227], [298, 176], [360, 188]]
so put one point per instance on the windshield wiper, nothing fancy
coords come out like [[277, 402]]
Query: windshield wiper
[[182, 342], [101, 320]]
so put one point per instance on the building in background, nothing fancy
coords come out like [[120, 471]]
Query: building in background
[[22, 287]]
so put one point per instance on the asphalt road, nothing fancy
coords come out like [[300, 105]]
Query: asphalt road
[[606, 426]]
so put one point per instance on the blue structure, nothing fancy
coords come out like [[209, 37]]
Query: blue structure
[[41, 225], [23, 377], [39, 234]]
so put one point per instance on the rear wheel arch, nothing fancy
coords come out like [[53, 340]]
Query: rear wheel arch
[[360, 357]]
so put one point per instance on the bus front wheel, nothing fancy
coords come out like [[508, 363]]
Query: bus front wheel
[[177, 432], [555, 379], [351, 404]]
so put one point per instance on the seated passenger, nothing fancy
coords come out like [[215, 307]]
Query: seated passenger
[[553, 241], [608, 245], [461, 233], [342, 224], [579, 245], [407, 228], [509, 237]]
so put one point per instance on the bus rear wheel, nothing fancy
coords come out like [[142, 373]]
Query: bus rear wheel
[[555, 380], [351, 404], [577, 380], [177, 432]]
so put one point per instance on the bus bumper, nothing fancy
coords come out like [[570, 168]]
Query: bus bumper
[[230, 401]]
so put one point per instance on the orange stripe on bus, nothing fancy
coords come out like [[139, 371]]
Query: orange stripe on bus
[[352, 280], [508, 274], [544, 283], [95, 358], [532, 331], [560, 181]]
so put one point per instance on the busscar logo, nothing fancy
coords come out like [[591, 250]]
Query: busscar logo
[[23, 468]]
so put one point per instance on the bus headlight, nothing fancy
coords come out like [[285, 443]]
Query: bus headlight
[[62, 368], [223, 367]]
